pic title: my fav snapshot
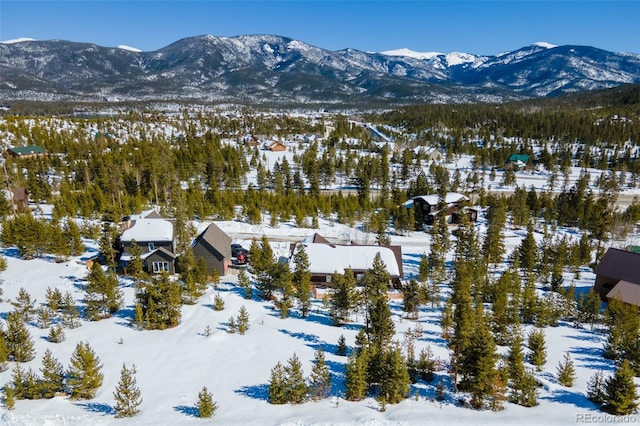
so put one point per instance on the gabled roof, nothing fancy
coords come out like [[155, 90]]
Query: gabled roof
[[626, 291], [519, 157], [26, 150], [215, 238], [620, 265], [145, 230], [330, 259], [163, 252], [316, 238]]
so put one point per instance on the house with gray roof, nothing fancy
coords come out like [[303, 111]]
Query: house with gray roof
[[214, 246], [618, 275]]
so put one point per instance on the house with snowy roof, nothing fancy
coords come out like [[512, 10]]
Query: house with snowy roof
[[326, 259], [156, 239], [618, 275], [454, 206]]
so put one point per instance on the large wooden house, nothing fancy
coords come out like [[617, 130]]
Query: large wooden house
[[454, 206], [327, 259]]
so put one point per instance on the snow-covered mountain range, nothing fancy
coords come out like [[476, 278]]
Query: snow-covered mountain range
[[274, 69]]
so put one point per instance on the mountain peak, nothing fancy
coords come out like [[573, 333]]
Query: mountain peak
[[544, 44], [129, 48], [17, 40], [410, 53]]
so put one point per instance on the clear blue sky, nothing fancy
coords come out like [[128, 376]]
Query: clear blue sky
[[472, 26]]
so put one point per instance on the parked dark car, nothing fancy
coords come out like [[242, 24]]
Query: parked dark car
[[240, 254]]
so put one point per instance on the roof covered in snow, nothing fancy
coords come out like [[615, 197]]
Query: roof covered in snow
[[432, 200], [149, 230], [330, 259]]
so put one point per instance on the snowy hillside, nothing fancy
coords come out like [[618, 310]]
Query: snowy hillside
[[173, 365]]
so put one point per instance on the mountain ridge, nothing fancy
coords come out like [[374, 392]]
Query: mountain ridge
[[276, 69]]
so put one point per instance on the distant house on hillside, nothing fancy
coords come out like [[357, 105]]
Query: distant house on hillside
[[275, 146], [431, 153], [18, 199], [519, 162], [214, 246], [25, 151], [454, 207], [618, 275]]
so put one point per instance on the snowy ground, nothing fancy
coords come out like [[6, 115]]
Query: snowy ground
[[173, 365]]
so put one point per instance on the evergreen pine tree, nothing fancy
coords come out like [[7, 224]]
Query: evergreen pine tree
[[596, 388], [84, 375], [296, 388], [320, 378], [527, 250], [233, 326], [478, 361], [423, 269], [302, 281], [493, 247], [530, 306], [127, 393], [278, 385], [218, 302], [102, 294], [395, 382], [589, 308], [56, 334], [566, 371], [356, 376], [4, 352], [243, 320], [381, 327], [341, 348], [538, 351], [343, 298], [621, 393], [9, 398], [18, 381], [411, 298], [31, 385], [52, 380], [24, 305], [205, 405], [243, 281], [71, 233], [20, 345], [160, 301]]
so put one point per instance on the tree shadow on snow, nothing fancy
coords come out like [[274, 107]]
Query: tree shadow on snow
[[255, 391], [311, 338], [97, 407], [11, 252], [187, 410], [127, 314], [567, 397]]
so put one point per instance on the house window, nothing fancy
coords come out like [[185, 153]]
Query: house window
[[359, 277], [160, 267], [328, 278], [152, 247]]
